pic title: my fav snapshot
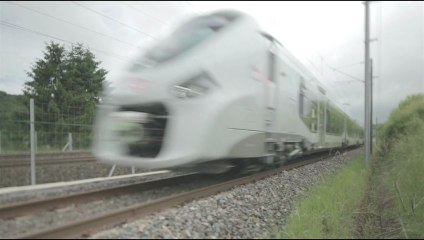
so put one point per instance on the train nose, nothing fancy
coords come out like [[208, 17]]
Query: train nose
[[141, 129], [129, 126]]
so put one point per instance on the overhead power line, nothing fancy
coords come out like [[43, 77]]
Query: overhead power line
[[131, 6], [355, 78], [17, 27], [113, 19], [351, 65], [73, 24], [337, 69], [192, 7]]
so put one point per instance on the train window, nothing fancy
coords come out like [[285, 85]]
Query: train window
[[335, 120], [308, 106], [305, 104], [328, 122], [301, 102], [184, 38]]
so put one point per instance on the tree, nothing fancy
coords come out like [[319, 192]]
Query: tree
[[12, 113], [66, 86]]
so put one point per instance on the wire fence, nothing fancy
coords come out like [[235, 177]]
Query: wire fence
[[61, 144], [57, 128]]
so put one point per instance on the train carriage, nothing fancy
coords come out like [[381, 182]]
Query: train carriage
[[217, 88]]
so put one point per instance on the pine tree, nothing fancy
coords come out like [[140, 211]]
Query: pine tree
[[66, 86]]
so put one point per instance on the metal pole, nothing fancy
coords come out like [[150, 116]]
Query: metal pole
[[371, 106], [367, 86], [70, 141], [36, 142], [376, 128], [32, 135]]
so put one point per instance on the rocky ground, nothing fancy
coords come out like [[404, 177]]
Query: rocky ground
[[255, 210]]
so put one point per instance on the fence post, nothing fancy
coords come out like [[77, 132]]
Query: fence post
[[112, 170], [32, 135], [0, 141], [70, 141], [133, 170], [36, 142]]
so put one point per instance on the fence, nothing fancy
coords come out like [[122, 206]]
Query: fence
[[59, 151], [57, 128]]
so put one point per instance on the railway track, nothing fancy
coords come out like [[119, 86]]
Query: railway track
[[34, 206], [81, 227], [23, 159]]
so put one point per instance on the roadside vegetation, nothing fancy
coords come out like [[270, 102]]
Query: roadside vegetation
[[327, 210], [65, 84], [400, 157], [385, 200]]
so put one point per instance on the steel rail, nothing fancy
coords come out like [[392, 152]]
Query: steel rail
[[82, 227], [33, 206]]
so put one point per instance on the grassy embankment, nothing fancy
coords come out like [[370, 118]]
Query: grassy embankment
[[384, 201]]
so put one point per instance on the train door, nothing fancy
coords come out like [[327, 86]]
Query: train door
[[271, 100], [345, 133], [271, 92], [322, 109]]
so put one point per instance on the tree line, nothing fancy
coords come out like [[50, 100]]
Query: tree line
[[65, 85]]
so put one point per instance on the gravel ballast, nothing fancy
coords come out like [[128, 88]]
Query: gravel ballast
[[254, 210], [15, 195], [13, 227], [21, 175]]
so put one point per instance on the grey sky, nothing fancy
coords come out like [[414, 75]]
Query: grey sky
[[322, 35]]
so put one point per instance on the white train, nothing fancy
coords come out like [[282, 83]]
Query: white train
[[217, 90]]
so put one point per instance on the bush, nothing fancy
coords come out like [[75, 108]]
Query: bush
[[404, 120], [402, 141]]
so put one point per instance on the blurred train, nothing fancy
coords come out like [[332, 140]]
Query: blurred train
[[216, 93]]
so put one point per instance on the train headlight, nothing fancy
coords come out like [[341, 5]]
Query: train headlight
[[129, 126], [195, 87], [130, 132]]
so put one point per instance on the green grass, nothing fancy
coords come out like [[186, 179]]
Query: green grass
[[394, 206], [406, 180], [402, 154], [328, 210], [384, 201], [403, 121]]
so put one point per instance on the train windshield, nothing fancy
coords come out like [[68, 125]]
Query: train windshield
[[184, 38]]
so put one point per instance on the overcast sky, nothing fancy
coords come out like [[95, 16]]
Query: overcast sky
[[322, 35]]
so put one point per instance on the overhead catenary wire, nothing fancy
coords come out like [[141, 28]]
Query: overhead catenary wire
[[342, 93], [18, 27], [73, 24], [337, 69], [330, 94], [115, 20], [188, 3], [21, 28], [355, 78], [350, 65], [136, 9]]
